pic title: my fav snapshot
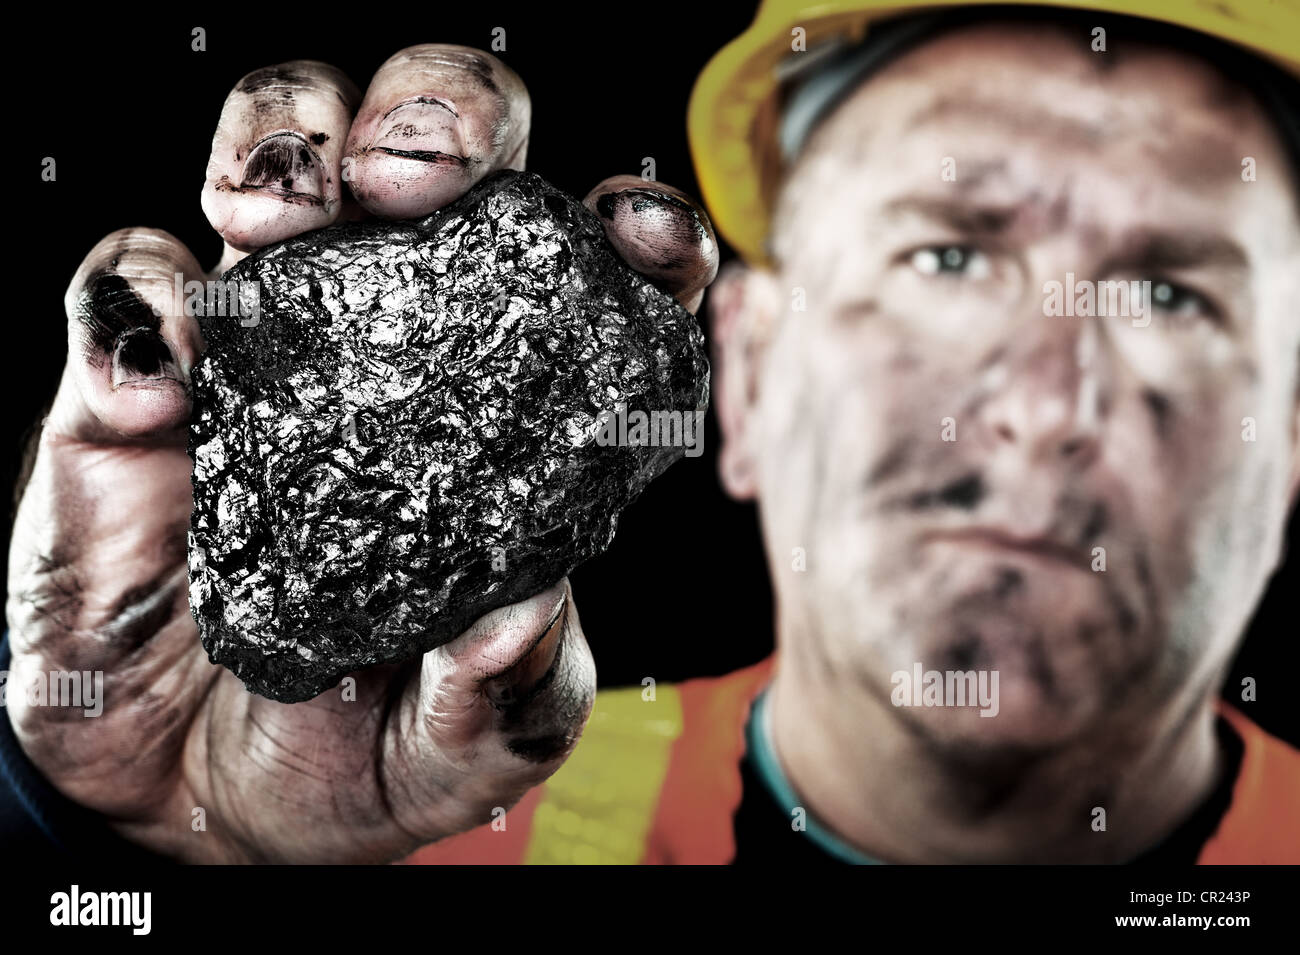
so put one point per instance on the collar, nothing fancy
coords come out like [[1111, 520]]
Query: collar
[[758, 735]]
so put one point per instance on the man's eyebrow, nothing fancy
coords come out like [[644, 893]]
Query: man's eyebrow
[[959, 214], [1155, 251]]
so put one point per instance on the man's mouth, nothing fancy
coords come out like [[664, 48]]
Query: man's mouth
[[994, 538]]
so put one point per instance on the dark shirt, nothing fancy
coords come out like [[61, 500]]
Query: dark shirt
[[764, 834]]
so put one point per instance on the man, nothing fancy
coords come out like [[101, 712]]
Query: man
[[956, 477], [951, 480]]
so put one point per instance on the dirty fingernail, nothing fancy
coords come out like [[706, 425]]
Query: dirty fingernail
[[141, 355], [285, 165], [526, 676]]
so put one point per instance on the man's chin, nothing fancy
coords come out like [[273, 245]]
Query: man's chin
[[1000, 680], [1010, 712], [1011, 649]]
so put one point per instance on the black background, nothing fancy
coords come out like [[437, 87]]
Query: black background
[[127, 110]]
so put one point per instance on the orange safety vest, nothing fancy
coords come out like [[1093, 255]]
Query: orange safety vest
[[655, 779]]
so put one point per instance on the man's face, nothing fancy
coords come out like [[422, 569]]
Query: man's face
[[960, 467]]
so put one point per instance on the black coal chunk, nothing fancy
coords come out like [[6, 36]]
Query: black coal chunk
[[405, 433]]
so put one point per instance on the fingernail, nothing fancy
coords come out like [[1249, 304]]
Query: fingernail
[[527, 676], [427, 129], [141, 355], [286, 166], [641, 202], [667, 226], [663, 236]]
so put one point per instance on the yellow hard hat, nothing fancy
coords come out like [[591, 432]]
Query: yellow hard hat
[[733, 115]]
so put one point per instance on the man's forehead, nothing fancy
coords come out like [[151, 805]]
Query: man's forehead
[[999, 54], [1041, 80], [1028, 92], [1005, 146]]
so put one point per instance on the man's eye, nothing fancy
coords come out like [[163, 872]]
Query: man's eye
[[1179, 301], [956, 260]]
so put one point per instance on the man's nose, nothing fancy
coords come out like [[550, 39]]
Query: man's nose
[[1044, 394]]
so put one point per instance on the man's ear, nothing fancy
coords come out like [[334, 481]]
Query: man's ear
[[741, 319]]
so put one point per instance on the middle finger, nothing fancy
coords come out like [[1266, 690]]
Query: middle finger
[[436, 119]]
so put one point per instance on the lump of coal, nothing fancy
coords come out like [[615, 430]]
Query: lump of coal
[[406, 433]]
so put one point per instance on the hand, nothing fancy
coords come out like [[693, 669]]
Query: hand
[[98, 569]]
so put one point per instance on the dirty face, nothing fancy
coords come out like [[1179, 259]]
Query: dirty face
[[1090, 506]]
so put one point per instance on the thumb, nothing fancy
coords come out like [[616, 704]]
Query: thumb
[[506, 652], [519, 673], [490, 715]]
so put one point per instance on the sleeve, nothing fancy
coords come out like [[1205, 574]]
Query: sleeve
[[38, 821]]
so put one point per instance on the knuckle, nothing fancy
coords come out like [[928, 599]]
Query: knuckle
[[139, 253], [282, 84]]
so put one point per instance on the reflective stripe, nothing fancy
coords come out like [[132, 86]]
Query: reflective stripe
[[598, 807], [694, 824]]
